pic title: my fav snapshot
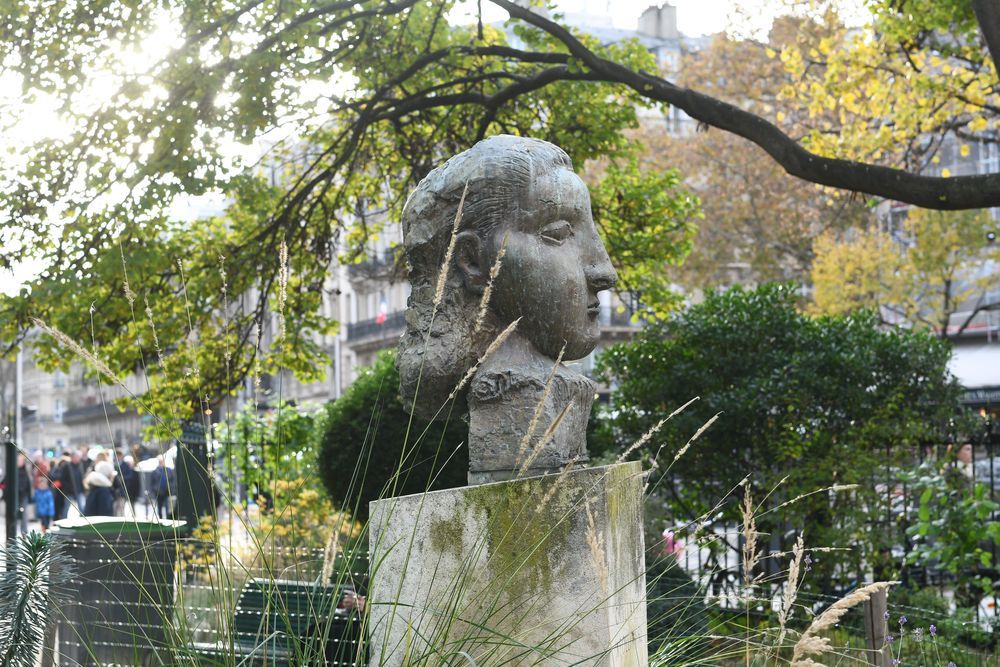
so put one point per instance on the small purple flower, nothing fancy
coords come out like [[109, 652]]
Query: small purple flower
[[889, 639], [951, 664], [895, 663], [932, 630], [902, 621], [886, 615]]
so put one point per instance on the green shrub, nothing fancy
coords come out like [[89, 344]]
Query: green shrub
[[369, 449]]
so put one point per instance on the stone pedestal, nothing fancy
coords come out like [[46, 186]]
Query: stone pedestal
[[540, 571]]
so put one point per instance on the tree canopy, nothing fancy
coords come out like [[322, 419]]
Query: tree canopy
[[759, 224], [824, 401], [376, 94], [936, 265], [357, 101]]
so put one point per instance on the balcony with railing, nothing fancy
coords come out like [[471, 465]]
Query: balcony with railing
[[377, 328], [611, 317]]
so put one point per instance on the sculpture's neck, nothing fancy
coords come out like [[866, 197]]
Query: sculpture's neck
[[526, 416]]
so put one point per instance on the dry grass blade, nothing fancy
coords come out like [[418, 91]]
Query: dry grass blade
[[595, 542], [494, 346], [697, 434], [282, 286], [156, 338], [446, 265], [484, 303], [539, 408], [76, 349], [549, 432], [836, 488], [810, 644], [653, 431], [791, 589], [751, 557]]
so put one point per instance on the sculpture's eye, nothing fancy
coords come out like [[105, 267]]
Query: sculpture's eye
[[557, 232]]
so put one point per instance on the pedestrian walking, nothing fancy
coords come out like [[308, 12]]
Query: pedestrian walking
[[39, 469], [127, 484], [100, 498], [71, 483], [21, 485], [45, 504], [164, 482], [23, 481], [58, 495]]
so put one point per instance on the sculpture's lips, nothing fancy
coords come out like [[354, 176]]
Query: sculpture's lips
[[594, 308]]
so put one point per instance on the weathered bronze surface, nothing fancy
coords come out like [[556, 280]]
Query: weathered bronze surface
[[527, 415]]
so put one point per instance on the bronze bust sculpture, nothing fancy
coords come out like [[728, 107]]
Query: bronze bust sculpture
[[527, 413]]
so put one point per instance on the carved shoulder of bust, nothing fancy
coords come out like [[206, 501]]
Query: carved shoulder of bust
[[512, 414], [491, 385]]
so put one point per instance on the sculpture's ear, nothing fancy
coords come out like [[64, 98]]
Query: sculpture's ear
[[470, 261]]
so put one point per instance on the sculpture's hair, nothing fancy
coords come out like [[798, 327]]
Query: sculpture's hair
[[439, 346]]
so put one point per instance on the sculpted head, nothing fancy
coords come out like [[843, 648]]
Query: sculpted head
[[522, 195]]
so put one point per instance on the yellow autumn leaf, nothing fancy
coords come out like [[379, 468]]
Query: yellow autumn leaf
[[964, 150], [945, 173]]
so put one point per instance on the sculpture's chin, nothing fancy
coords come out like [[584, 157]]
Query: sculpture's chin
[[579, 347]]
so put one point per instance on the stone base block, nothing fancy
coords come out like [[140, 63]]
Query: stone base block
[[539, 571]]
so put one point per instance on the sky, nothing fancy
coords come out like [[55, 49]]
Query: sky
[[694, 18]]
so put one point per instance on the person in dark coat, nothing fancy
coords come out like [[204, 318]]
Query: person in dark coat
[[58, 498], [100, 498], [71, 483], [22, 480], [127, 483], [164, 483]]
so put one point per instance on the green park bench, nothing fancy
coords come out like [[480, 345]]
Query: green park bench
[[280, 622]]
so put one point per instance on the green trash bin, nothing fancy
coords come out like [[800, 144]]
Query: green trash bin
[[122, 590]]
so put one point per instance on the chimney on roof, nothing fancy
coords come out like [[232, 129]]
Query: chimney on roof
[[659, 22]]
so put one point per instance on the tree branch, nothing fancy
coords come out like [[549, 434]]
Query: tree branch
[[962, 192], [988, 15]]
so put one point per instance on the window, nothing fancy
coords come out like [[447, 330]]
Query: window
[[989, 158], [58, 379], [58, 410]]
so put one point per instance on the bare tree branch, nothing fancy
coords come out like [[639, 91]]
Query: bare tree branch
[[962, 192]]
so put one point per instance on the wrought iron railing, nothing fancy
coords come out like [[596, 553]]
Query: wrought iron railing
[[377, 328]]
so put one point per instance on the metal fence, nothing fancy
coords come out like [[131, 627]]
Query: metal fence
[[892, 507], [134, 602]]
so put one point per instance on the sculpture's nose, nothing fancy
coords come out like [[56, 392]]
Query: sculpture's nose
[[601, 275]]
